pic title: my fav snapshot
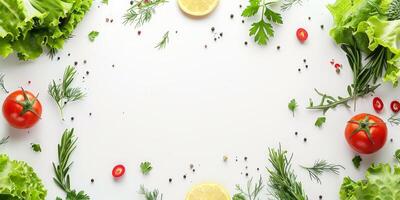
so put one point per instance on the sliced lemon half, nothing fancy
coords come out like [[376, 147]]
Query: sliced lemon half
[[208, 191], [198, 7]]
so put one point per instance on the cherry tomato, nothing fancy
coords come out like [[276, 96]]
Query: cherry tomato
[[118, 171], [366, 133], [301, 34], [22, 109], [377, 103], [395, 106]]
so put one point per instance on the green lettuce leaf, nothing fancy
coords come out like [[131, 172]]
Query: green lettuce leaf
[[381, 183], [18, 181]]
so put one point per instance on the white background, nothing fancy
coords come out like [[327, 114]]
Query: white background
[[189, 105]]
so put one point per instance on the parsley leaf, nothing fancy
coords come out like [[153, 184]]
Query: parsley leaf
[[292, 105], [356, 161], [92, 35], [145, 167], [261, 31], [36, 147], [320, 121], [251, 9], [273, 16]]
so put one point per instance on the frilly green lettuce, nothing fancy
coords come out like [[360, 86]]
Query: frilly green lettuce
[[381, 183], [18, 181], [26, 26]]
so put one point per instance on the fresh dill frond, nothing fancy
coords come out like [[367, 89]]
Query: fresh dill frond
[[52, 53], [4, 140], [393, 120], [164, 41], [2, 85], [287, 4], [282, 180], [63, 92], [150, 195], [251, 192], [141, 11], [320, 167]]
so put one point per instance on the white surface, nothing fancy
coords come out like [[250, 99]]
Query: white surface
[[186, 104]]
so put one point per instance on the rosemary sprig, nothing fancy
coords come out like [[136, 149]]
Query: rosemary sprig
[[2, 85], [141, 11], [4, 140], [251, 192], [287, 4], [164, 41], [61, 170], [393, 120], [282, 181], [63, 92], [150, 195], [321, 166]]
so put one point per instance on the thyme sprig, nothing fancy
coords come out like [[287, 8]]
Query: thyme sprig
[[4, 140], [2, 85], [252, 191], [287, 4], [150, 195], [61, 170], [63, 92], [282, 180], [141, 11], [320, 167], [164, 41]]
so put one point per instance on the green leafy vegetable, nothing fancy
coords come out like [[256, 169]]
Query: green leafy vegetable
[[292, 105], [397, 155], [381, 182], [282, 181], [18, 181], [356, 161], [320, 121], [150, 195], [4, 140], [145, 167], [251, 192], [36, 147], [142, 11], [164, 41], [28, 26], [321, 166], [61, 170], [63, 92], [92, 35], [262, 30]]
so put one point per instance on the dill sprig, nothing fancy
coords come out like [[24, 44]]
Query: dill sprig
[[320, 167], [63, 92], [393, 12], [164, 41], [287, 4], [4, 140], [141, 11], [2, 85], [393, 120], [251, 192], [282, 181], [61, 170], [52, 53], [150, 195]]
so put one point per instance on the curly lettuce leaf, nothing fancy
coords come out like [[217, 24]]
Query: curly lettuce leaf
[[18, 181], [381, 182]]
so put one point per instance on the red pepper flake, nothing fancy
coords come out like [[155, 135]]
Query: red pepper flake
[[337, 65]]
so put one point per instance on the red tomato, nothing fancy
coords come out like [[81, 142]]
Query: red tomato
[[118, 171], [377, 103], [22, 109], [302, 34], [395, 106], [366, 133]]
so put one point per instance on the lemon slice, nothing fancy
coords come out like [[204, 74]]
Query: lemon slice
[[198, 7], [208, 191]]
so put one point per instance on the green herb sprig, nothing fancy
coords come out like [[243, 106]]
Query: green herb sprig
[[36, 147], [282, 180], [397, 155], [150, 195], [4, 140], [141, 11], [292, 105], [164, 41], [145, 167], [92, 35], [393, 120], [320, 121], [357, 161], [61, 170], [287, 4], [252, 191], [320, 167], [2, 85], [63, 93], [393, 12]]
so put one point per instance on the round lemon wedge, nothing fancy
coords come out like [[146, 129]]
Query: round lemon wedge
[[208, 191], [197, 7]]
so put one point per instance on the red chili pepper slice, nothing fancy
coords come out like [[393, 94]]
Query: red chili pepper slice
[[395, 106], [301, 34], [377, 103], [118, 171]]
